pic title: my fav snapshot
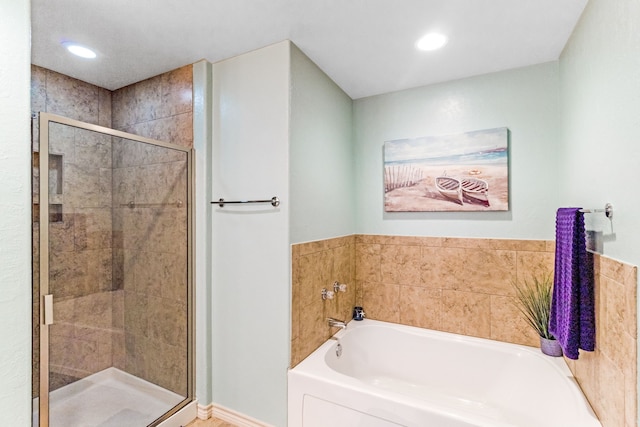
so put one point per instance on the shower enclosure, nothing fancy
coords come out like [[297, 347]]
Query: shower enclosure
[[113, 329]]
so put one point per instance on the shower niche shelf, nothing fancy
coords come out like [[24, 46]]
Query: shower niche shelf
[[55, 187]]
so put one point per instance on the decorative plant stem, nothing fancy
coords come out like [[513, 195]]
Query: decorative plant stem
[[533, 299]]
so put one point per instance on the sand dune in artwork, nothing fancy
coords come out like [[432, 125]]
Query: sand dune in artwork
[[424, 196]]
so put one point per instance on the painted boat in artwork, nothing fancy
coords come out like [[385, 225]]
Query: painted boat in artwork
[[450, 188], [476, 190]]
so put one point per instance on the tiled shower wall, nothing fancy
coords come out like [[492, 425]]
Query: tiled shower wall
[[92, 323], [80, 249], [464, 286], [150, 240], [150, 259], [158, 108]]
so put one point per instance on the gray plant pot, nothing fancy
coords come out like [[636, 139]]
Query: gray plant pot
[[550, 347]]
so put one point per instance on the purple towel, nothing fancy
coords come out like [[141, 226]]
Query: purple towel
[[572, 319]]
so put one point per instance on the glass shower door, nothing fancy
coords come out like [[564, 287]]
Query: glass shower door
[[115, 263]]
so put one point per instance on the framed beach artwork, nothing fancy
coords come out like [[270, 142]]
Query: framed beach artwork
[[462, 172]]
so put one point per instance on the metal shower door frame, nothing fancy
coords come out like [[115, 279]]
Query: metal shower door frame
[[46, 300]]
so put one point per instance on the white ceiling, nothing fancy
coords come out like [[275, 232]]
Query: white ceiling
[[365, 46]]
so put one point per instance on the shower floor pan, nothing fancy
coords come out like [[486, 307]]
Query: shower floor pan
[[109, 398]]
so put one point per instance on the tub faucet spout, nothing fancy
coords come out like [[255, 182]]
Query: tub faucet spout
[[335, 323]]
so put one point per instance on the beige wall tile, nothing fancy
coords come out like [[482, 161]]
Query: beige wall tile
[[343, 265], [616, 270], [611, 393], [466, 313], [67, 274], [534, 264], [62, 141], [92, 228], [136, 314], [613, 339], [421, 307], [38, 88], [100, 270], [630, 400], [166, 365], [147, 154], [315, 274], [381, 301], [359, 293], [368, 259], [126, 153], [104, 108], [147, 99], [124, 186], [118, 352], [471, 270], [122, 107], [167, 321], [176, 92], [295, 357], [61, 235], [161, 183], [311, 247], [585, 370], [296, 298], [508, 324], [400, 264], [117, 311], [72, 98], [313, 327], [83, 187], [495, 244], [398, 240], [93, 310], [550, 246], [175, 129], [92, 149]]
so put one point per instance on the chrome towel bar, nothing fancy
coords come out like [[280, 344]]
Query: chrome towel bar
[[275, 202], [608, 210]]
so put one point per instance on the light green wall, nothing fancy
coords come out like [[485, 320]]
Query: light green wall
[[250, 244], [269, 105], [15, 226], [524, 100], [321, 170], [600, 156]]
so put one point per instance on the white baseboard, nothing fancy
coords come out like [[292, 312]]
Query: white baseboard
[[228, 415], [205, 412]]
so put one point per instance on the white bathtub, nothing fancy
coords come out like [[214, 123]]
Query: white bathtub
[[392, 375]]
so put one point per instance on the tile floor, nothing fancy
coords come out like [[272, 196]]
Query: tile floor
[[211, 422]]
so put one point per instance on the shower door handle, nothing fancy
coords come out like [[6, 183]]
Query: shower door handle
[[47, 309]]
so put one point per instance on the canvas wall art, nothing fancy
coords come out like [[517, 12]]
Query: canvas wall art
[[462, 172]]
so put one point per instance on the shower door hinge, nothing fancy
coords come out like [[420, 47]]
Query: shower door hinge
[[47, 309]]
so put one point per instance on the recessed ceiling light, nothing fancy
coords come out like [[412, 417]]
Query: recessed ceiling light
[[80, 51], [431, 41]]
